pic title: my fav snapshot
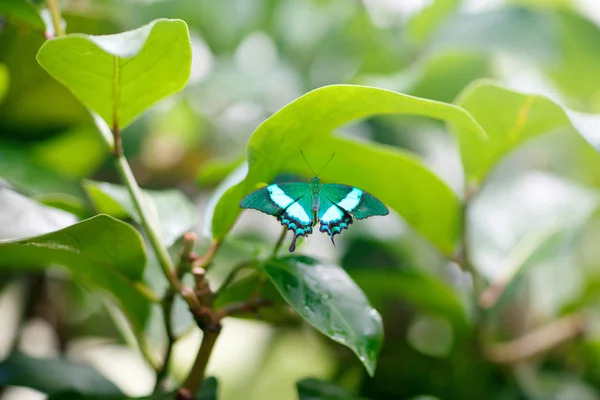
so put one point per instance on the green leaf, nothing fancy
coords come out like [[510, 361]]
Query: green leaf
[[22, 10], [307, 122], [403, 183], [208, 392], [120, 76], [54, 376], [313, 389], [101, 252], [171, 212], [326, 297], [511, 118], [22, 216]]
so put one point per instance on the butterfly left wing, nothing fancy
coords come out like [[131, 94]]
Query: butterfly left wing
[[291, 203], [339, 204]]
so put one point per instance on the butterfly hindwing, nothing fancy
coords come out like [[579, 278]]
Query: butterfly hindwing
[[339, 204], [291, 203]]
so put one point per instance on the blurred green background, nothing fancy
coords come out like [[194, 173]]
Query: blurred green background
[[250, 58]]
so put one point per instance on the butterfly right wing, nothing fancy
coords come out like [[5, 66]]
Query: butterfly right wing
[[291, 203]]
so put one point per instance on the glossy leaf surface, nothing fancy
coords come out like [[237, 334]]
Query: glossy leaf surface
[[326, 297]]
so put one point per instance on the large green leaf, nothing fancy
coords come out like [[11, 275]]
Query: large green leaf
[[510, 119], [120, 76], [22, 10], [101, 252], [326, 297], [402, 182], [171, 212], [308, 121], [54, 376]]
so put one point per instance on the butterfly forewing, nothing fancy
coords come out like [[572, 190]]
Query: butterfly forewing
[[339, 203], [291, 203]]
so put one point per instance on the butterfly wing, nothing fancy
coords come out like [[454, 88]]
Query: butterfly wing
[[291, 203], [339, 204]]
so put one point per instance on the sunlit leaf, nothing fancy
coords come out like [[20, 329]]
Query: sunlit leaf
[[510, 119], [101, 252], [170, 211], [326, 297], [307, 122], [54, 375], [116, 75], [403, 183]]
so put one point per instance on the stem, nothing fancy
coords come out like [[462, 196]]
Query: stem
[[279, 242], [538, 341], [232, 275], [160, 250], [189, 240], [195, 379], [56, 18]]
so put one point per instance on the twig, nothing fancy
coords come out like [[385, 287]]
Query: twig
[[56, 17], [537, 341], [185, 260], [208, 321], [232, 275], [279, 242], [250, 306]]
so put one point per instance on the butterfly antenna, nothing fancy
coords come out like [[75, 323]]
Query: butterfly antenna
[[306, 161], [326, 164]]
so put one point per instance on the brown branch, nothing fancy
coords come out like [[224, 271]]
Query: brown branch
[[537, 341]]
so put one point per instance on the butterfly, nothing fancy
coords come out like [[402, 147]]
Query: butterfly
[[299, 206]]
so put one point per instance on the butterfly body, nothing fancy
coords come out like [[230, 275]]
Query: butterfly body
[[300, 206]]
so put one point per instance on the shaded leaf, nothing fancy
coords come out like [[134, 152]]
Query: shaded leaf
[[116, 75], [208, 392], [22, 10], [313, 389], [21, 217], [54, 376], [308, 121], [326, 297], [101, 251], [170, 211]]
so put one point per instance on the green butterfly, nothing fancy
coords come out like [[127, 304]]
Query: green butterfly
[[299, 206]]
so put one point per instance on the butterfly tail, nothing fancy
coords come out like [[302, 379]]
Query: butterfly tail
[[293, 244]]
